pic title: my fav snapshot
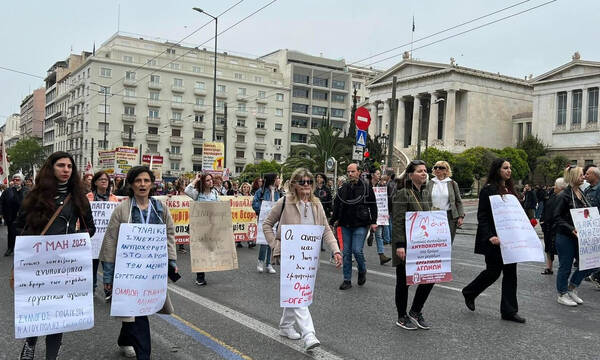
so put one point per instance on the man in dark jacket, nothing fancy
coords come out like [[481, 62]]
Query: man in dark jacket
[[355, 210], [10, 202], [530, 202]]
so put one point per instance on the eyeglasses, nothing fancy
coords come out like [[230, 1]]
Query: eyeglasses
[[304, 182], [439, 168]]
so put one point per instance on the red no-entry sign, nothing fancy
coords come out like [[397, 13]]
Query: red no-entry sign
[[362, 118]]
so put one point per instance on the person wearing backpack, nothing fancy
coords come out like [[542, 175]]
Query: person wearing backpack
[[268, 192]]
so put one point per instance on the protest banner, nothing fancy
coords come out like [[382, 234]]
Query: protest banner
[[141, 268], [587, 224], [243, 217], [53, 284], [179, 207], [518, 240], [107, 161], [428, 247], [125, 159], [154, 163], [300, 249], [213, 157], [101, 211], [211, 237], [383, 215], [265, 209]]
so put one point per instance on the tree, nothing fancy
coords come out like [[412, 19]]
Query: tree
[[462, 172], [535, 149], [431, 155], [26, 154], [252, 171], [481, 158], [551, 167]]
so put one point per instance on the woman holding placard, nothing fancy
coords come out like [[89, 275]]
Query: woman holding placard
[[445, 195], [269, 192], [487, 243], [566, 237], [300, 206], [411, 196], [54, 206], [134, 338]]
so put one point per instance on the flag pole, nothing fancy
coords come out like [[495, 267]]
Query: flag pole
[[412, 35]]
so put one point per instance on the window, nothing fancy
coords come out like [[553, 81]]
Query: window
[[103, 127], [240, 154], [262, 94], [129, 92], [153, 113], [177, 98], [174, 165], [299, 138], [573, 162], [242, 107], [260, 155], [299, 92], [576, 112], [238, 76], [338, 97], [301, 79], [278, 112], [261, 109], [102, 109], [300, 108], [279, 97], [175, 132], [299, 122], [277, 157], [241, 91], [152, 148], [319, 95], [319, 110], [561, 116], [127, 59], [220, 120], [196, 167], [356, 85], [315, 123], [151, 62], [592, 115], [528, 131], [337, 112], [197, 151], [258, 79], [241, 138], [198, 117], [519, 133], [178, 82], [176, 115], [129, 110], [221, 88], [239, 169], [199, 101], [154, 95], [102, 144], [221, 105], [175, 149], [260, 139], [588, 162], [198, 134], [320, 81], [105, 72], [128, 143], [153, 130], [278, 127], [241, 123], [130, 75], [277, 142], [155, 79], [338, 84], [260, 124], [171, 51], [199, 85], [175, 66], [196, 69]]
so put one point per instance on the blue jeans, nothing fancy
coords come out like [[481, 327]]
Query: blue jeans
[[264, 254], [354, 241], [539, 210], [382, 236], [567, 250]]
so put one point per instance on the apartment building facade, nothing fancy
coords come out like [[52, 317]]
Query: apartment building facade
[[11, 131], [32, 114]]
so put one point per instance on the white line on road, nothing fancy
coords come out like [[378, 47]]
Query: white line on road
[[251, 323]]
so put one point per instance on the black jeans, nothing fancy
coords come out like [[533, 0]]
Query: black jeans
[[53, 343], [494, 266], [137, 334], [95, 263], [421, 294], [11, 235]]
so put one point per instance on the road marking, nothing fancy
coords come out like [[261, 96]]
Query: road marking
[[251, 323], [221, 348]]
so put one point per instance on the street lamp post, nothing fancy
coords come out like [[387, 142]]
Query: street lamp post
[[215, 73], [105, 91]]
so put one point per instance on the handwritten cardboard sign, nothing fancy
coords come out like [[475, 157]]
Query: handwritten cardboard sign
[[587, 224], [265, 209], [141, 268], [428, 247], [243, 217], [101, 211], [518, 240], [53, 284], [300, 249], [383, 215], [211, 237]]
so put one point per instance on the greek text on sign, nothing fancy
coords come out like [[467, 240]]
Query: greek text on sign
[[179, 208], [243, 217], [587, 224], [101, 211], [53, 284], [383, 215]]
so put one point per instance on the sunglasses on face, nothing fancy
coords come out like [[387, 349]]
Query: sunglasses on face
[[439, 168], [304, 182]]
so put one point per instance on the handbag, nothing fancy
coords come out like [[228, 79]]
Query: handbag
[[54, 216]]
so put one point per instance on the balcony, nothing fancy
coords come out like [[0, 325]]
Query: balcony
[[196, 158], [241, 129], [221, 95], [176, 139], [153, 103], [196, 141], [125, 135], [177, 89], [154, 85], [129, 82], [261, 115], [153, 120], [239, 113], [241, 161], [177, 105], [128, 118], [260, 146], [129, 100], [260, 131], [152, 137], [176, 157], [240, 145], [198, 125], [262, 100], [243, 98], [220, 111], [199, 108], [199, 92], [176, 122]]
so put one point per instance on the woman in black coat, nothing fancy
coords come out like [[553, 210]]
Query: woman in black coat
[[487, 243]]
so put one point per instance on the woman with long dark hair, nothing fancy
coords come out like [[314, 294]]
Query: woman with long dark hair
[[487, 243], [57, 184], [269, 192]]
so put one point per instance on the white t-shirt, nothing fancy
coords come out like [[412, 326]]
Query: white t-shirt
[[439, 194], [306, 213]]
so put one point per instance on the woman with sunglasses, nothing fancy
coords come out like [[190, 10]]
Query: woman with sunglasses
[[411, 195], [269, 192], [299, 206], [445, 195], [487, 243], [57, 184]]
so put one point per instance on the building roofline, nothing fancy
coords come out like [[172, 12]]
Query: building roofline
[[540, 79]]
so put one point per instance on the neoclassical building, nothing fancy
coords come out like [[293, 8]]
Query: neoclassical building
[[456, 107], [565, 110]]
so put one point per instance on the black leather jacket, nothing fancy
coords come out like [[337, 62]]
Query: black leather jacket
[[561, 215]]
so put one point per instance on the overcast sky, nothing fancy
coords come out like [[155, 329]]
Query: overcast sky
[[36, 34]]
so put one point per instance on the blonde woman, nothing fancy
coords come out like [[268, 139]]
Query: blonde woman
[[445, 195], [299, 206]]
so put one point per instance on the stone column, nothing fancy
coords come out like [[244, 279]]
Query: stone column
[[584, 105], [374, 115], [450, 119], [569, 110], [387, 115], [414, 135], [433, 120], [400, 126]]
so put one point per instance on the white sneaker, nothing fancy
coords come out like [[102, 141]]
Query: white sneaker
[[127, 351], [311, 342], [565, 299], [270, 269], [573, 295], [261, 266], [289, 333]]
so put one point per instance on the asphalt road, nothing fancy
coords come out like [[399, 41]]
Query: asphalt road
[[237, 314]]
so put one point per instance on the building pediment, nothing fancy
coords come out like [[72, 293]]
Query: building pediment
[[572, 70], [407, 69]]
